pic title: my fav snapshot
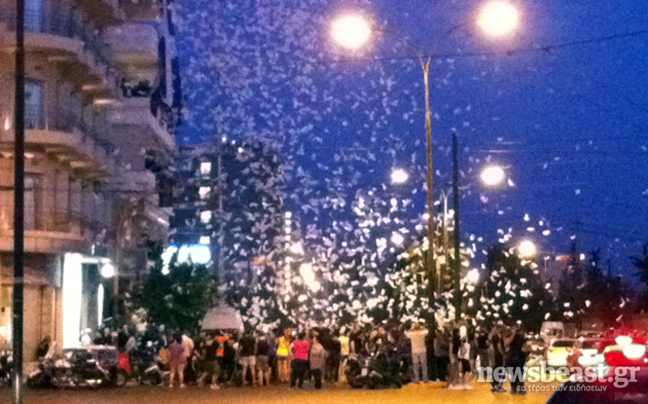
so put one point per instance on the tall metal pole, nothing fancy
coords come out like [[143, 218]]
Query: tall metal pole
[[19, 202], [219, 241], [457, 230], [431, 258], [446, 242]]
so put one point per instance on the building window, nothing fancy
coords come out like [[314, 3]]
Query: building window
[[205, 168], [205, 216], [34, 15], [34, 105], [204, 192], [32, 202], [204, 240]]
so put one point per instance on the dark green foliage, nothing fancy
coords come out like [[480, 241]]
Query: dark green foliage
[[179, 299], [514, 290]]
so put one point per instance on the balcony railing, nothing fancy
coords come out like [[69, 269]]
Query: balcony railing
[[34, 117], [68, 121], [59, 221], [69, 24]]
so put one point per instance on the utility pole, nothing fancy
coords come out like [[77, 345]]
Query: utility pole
[[446, 241], [457, 230], [220, 236], [431, 256], [19, 203]]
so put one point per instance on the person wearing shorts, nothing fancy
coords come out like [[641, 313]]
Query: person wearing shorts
[[208, 355], [247, 353], [177, 360], [464, 364], [262, 360], [283, 356]]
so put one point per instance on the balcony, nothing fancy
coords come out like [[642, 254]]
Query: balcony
[[66, 39], [138, 127], [143, 10], [69, 140], [134, 49], [48, 232], [134, 182], [103, 11]]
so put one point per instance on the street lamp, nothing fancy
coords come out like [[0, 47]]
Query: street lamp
[[527, 249], [493, 175], [353, 31], [399, 176], [498, 18]]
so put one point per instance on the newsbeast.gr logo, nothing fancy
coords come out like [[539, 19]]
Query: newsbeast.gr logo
[[619, 377]]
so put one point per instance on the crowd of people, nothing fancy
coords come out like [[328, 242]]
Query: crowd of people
[[319, 355]]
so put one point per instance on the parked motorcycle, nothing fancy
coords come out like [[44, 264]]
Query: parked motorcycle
[[382, 369], [147, 369], [77, 368], [6, 369], [354, 367]]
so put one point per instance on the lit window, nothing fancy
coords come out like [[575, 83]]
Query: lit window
[[205, 216], [205, 168], [204, 192], [204, 240]]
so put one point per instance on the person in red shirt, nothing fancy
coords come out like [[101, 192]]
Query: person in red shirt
[[300, 349]]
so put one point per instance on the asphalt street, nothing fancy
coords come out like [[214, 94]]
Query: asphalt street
[[412, 394]]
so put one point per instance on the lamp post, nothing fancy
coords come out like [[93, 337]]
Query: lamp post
[[353, 31], [19, 203], [527, 249]]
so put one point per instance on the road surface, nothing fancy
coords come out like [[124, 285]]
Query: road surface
[[413, 394]]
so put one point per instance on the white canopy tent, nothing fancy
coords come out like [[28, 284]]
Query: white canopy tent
[[222, 317]]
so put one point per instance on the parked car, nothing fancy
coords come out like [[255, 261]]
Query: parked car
[[624, 350], [558, 352], [536, 350], [603, 391], [552, 330], [586, 354]]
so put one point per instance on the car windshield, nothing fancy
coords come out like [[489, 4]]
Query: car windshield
[[590, 344], [563, 343]]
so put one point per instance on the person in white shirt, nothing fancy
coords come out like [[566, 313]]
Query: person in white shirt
[[189, 374], [464, 364], [419, 352]]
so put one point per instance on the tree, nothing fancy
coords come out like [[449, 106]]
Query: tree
[[604, 296], [515, 293], [641, 263], [178, 295]]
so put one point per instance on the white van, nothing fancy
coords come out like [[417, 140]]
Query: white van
[[551, 330]]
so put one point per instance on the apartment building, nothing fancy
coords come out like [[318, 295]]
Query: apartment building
[[102, 104], [237, 221]]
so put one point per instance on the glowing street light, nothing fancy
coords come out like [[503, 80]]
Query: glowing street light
[[399, 176], [107, 270], [351, 31], [493, 175], [527, 249], [498, 18]]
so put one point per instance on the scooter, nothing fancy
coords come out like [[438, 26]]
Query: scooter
[[6, 369], [382, 369], [73, 371], [354, 368]]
